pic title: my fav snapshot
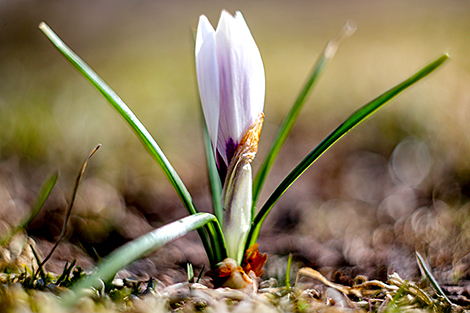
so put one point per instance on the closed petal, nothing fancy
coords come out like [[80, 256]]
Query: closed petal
[[242, 82], [254, 65], [208, 76]]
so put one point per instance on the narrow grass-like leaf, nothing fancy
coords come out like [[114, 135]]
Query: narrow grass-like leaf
[[218, 242], [36, 206], [289, 265], [355, 119], [66, 273], [200, 274], [190, 272], [137, 249], [142, 133], [289, 121], [214, 179], [38, 261], [391, 306], [427, 272], [41, 197]]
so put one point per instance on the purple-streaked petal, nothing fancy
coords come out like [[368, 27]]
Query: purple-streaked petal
[[208, 76], [254, 65], [242, 81]]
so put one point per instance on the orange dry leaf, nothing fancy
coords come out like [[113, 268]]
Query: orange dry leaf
[[254, 260], [228, 274]]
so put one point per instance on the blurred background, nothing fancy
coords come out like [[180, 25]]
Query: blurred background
[[399, 182]]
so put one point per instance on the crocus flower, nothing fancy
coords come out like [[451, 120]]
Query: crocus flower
[[232, 86], [231, 82]]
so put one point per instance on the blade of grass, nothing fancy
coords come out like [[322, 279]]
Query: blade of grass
[[41, 197], [289, 264], [36, 206], [189, 272], [355, 119], [216, 185], [200, 274], [400, 292], [143, 134], [40, 269], [289, 121], [137, 249], [427, 272], [209, 234], [66, 273]]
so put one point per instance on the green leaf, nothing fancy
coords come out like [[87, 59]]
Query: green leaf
[[427, 272], [41, 197], [36, 206], [213, 251], [189, 272], [136, 249], [143, 134], [216, 185], [289, 265], [355, 119], [289, 121]]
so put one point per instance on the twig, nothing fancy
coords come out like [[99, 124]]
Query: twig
[[69, 210]]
